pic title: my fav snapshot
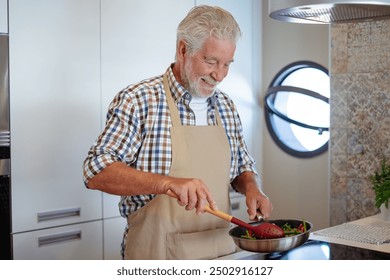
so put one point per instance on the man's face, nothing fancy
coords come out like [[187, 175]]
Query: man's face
[[205, 69]]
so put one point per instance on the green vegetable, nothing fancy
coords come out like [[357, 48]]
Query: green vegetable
[[248, 235], [290, 231]]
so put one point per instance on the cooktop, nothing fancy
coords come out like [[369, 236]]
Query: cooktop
[[320, 250]]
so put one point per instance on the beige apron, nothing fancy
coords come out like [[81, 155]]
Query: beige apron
[[164, 230]]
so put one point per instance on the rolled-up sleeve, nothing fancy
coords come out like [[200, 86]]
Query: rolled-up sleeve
[[241, 160], [119, 140], [245, 161]]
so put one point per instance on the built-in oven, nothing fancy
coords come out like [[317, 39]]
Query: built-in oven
[[5, 154]]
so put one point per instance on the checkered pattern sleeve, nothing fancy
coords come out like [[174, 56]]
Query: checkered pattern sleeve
[[241, 160]]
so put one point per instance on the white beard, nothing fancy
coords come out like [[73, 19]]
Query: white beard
[[194, 87]]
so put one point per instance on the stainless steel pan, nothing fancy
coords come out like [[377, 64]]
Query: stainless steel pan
[[271, 245]]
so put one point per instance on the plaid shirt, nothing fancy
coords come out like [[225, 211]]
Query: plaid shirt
[[137, 133]]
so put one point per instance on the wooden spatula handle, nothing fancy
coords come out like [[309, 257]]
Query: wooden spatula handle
[[220, 214]]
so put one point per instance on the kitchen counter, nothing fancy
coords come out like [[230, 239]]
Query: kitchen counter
[[375, 223], [335, 243]]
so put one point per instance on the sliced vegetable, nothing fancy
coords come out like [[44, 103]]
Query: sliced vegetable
[[290, 231], [248, 235]]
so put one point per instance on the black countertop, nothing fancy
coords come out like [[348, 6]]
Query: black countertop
[[320, 250]]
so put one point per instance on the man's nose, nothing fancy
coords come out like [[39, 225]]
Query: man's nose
[[219, 74]]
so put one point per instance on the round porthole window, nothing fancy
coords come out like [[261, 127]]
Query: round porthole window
[[297, 109]]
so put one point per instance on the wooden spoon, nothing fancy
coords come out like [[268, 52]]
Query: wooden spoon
[[263, 230]]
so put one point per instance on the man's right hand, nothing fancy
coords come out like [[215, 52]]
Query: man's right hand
[[191, 194]]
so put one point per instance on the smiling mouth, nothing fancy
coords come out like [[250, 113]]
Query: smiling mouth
[[210, 83]]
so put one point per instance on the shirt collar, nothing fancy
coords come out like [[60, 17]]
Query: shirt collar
[[179, 93]]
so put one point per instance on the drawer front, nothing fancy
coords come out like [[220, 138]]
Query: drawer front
[[73, 242]]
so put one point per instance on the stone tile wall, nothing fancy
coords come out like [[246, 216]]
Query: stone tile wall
[[360, 115]]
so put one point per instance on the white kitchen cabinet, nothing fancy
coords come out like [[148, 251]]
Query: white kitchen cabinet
[[83, 241], [55, 109], [138, 41], [113, 229], [3, 16]]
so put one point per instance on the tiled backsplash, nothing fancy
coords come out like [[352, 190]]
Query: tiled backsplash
[[360, 115]]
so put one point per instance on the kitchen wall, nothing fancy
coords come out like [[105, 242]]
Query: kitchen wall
[[360, 115], [298, 188]]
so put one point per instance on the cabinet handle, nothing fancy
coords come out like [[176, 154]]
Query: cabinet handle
[[4, 139], [59, 237], [58, 214]]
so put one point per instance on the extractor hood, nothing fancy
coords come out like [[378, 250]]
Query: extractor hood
[[328, 11]]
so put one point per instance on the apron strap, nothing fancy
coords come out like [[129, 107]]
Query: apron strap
[[218, 117], [175, 113], [171, 105]]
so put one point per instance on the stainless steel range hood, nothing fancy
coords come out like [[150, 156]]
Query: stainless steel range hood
[[328, 11]]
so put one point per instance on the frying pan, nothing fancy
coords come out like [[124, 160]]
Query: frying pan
[[274, 244]]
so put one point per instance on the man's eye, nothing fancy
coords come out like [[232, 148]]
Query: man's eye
[[211, 62]]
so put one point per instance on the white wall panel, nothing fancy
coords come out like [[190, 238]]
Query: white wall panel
[[113, 229], [55, 108], [138, 42], [239, 83]]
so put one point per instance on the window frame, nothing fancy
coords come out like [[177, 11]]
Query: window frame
[[276, 84]]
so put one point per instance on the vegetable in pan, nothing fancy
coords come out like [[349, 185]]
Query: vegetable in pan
[[290, 231], [287, 229]]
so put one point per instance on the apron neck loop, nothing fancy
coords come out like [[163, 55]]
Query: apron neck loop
[[217, 116], [175, 112]]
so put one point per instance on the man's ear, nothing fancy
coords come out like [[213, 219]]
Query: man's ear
[[182, 50]]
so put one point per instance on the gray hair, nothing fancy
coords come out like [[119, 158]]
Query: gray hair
[[203, 22]]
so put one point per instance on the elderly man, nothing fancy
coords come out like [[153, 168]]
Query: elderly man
[[178, 134]]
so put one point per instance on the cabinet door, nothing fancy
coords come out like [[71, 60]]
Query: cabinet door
[[113, 234], [138, 42], [74, 242], [55, 109]]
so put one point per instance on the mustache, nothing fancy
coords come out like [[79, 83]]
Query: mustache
[[210, 81]]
